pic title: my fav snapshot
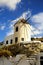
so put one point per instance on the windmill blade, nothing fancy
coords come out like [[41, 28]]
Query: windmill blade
[[34, 26], [27, 18]]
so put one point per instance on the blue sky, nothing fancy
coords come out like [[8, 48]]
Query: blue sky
[[13, 10]]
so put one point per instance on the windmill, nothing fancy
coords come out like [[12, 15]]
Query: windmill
[[24, 21], [24, 30], [24, 33], [21, 31]]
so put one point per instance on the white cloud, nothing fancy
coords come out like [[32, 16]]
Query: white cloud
[[34, 31], [32, 28], [38, 20], [37, 32], [9, 3], [2, 27], [10, 32]]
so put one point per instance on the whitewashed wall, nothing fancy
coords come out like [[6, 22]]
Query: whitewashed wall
[[24, 31], [9, 39]]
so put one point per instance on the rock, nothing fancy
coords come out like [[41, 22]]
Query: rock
[[20, 56], [23, 62], [5, 61]]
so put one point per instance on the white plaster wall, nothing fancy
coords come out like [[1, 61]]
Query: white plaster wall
[[9, 38], [24, 31]]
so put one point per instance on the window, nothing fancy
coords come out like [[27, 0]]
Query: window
[[41, 60], [22, 39], [11, 41], [7, 42], [16, 39], [16, 28]]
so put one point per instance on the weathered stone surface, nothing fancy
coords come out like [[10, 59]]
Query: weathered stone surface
[[5, 61], [24, 62], [20, 59]]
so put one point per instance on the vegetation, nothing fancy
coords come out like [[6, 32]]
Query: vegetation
[[38, 39], [5, 53], [15, 49]]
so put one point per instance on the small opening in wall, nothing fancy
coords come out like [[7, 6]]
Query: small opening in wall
[[41, 60], [22, 39], [16, 39], [7, 42], [16, 28], [11, 41]]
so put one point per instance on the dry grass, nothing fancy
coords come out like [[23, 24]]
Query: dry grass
[[15, 49]]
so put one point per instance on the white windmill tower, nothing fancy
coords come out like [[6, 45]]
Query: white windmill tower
[[22, 33]]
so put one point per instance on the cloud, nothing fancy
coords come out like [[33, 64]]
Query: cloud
[[10, 32], [34, 31], [12, 4], [38, 18], [2, 27], [38, 26], [11, 29]]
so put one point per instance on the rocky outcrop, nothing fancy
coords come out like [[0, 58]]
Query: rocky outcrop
[[21, 59]]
